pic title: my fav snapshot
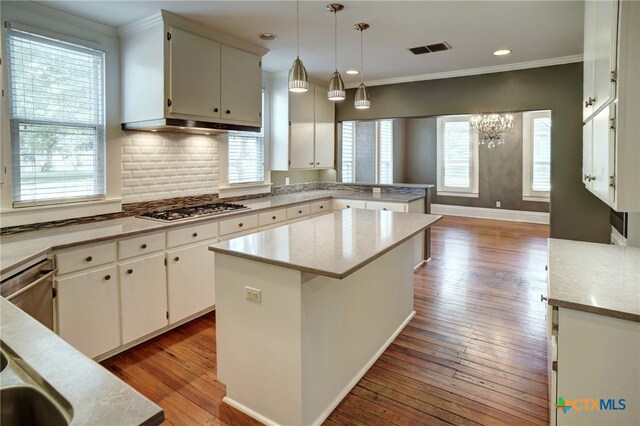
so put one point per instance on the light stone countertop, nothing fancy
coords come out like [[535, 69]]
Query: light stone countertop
[[27, 247], [334, 245], [97, 397], [598, 278]]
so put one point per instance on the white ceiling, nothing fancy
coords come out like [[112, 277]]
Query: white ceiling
[[533, 30]]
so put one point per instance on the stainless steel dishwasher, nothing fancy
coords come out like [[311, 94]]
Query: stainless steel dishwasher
[[32, 291]]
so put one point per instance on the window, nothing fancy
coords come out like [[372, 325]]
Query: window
[[457, 163], [57, 116], [367, 151], [246, 155], [536, 156]]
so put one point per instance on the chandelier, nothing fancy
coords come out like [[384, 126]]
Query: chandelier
[[491, 128]]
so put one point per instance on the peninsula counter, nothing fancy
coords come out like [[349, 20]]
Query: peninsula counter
[[303, 310]]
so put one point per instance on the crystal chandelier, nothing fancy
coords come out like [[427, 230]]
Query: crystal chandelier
[[491, 128]]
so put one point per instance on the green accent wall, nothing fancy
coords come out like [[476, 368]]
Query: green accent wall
[[575, 213]]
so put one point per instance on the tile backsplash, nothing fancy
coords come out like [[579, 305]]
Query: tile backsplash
[[165, 165]]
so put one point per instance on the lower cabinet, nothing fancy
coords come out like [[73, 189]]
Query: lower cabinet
[[190, 280], [88, 311], [143, 296]]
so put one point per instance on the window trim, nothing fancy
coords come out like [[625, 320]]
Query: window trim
[[14, 122], [441, 189], [528, 194]]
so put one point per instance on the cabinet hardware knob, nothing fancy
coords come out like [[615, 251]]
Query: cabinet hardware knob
[[348, 206], [240, 224], [318, 163], [273, 217], [311, 163], [89, 259], [129, 271], [542, 298], [299, 211], [228, 112], [216, 109], [195, 234], [322, 207], [546, 267], [177, 258], [144, 246], [586, 177], [107, 277], [384, 208]]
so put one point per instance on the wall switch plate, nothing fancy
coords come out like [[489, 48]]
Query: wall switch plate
[[253, 294], [376, 190], [286, 181], [498, 204]]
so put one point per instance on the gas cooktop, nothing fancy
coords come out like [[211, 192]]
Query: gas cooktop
[[193, 212]]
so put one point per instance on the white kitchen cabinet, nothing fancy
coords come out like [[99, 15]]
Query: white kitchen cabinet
[[190, 280], [600, 46], [173, 68], [143, 296], [610, 136], [382, 205], [302, 127], [193, 59], [341, 204], [88, 310], [238, 225], [86, 257], [297, 213], [320, 207]]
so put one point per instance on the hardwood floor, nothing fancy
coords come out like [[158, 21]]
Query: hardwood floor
[[475, 353]]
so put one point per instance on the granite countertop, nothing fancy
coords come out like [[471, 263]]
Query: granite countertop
[[334, 245], [599, 278], [28, 247], [96, 396]]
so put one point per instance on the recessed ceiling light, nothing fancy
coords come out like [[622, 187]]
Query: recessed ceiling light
[[353, 72], [267, 36], [502, 52]]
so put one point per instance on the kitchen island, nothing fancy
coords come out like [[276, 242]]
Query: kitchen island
[[303, 310]]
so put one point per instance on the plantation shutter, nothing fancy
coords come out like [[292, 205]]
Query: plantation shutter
[[541, 180], [386, 151], [457, 154], [57, 115], [348, 150]]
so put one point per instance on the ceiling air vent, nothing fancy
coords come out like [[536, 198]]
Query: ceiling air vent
[[430, 48]]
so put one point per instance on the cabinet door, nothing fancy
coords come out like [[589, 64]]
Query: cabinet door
[[587, 150], [88, 316], [324, 129], [603, 154], [381, 205], [348, 204], [194, 75], [605, 45], [589, 58], [301, 129], [190, 280], [143, 296], [241, 85]]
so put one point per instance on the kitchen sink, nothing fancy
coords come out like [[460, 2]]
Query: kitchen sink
[[26, 405]]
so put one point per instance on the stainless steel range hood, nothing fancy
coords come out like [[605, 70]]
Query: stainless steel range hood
[[176, 125]]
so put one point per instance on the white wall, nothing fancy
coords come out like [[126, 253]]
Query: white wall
[[167, 165]]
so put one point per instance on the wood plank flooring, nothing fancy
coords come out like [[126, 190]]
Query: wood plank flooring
[[475, 353]]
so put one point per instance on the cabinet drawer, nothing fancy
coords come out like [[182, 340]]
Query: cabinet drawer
[[243, 223], [85, 257], [274, 216], [348, 204], [320, 207], [192, 234], [379, 205], [298, 211], [140, 245]]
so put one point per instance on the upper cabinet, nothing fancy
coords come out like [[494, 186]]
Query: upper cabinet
[[176, 69], [302, 127], [611, 141]]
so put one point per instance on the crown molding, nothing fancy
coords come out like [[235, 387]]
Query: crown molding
[[66, 17], [473, 71]]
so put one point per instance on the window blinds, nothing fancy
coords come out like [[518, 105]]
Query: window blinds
[[385, 140], [457, 154], [246, 157], [57, 119], [348, 150], [541, 166]]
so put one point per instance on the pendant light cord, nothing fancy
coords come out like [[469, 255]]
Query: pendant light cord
[[361, 61], [335, 26], [298, 29]]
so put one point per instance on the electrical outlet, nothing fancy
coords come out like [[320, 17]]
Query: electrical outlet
[[253, 294], [498, 204], [286, 181], [376, 191]]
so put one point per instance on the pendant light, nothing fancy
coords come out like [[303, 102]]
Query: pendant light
[[298, 74], [336, 90], [362, 96]]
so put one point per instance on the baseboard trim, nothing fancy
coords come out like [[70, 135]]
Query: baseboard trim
[[488, 213], [323, 416]]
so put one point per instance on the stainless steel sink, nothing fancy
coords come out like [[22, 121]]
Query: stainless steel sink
[[26, 405]]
